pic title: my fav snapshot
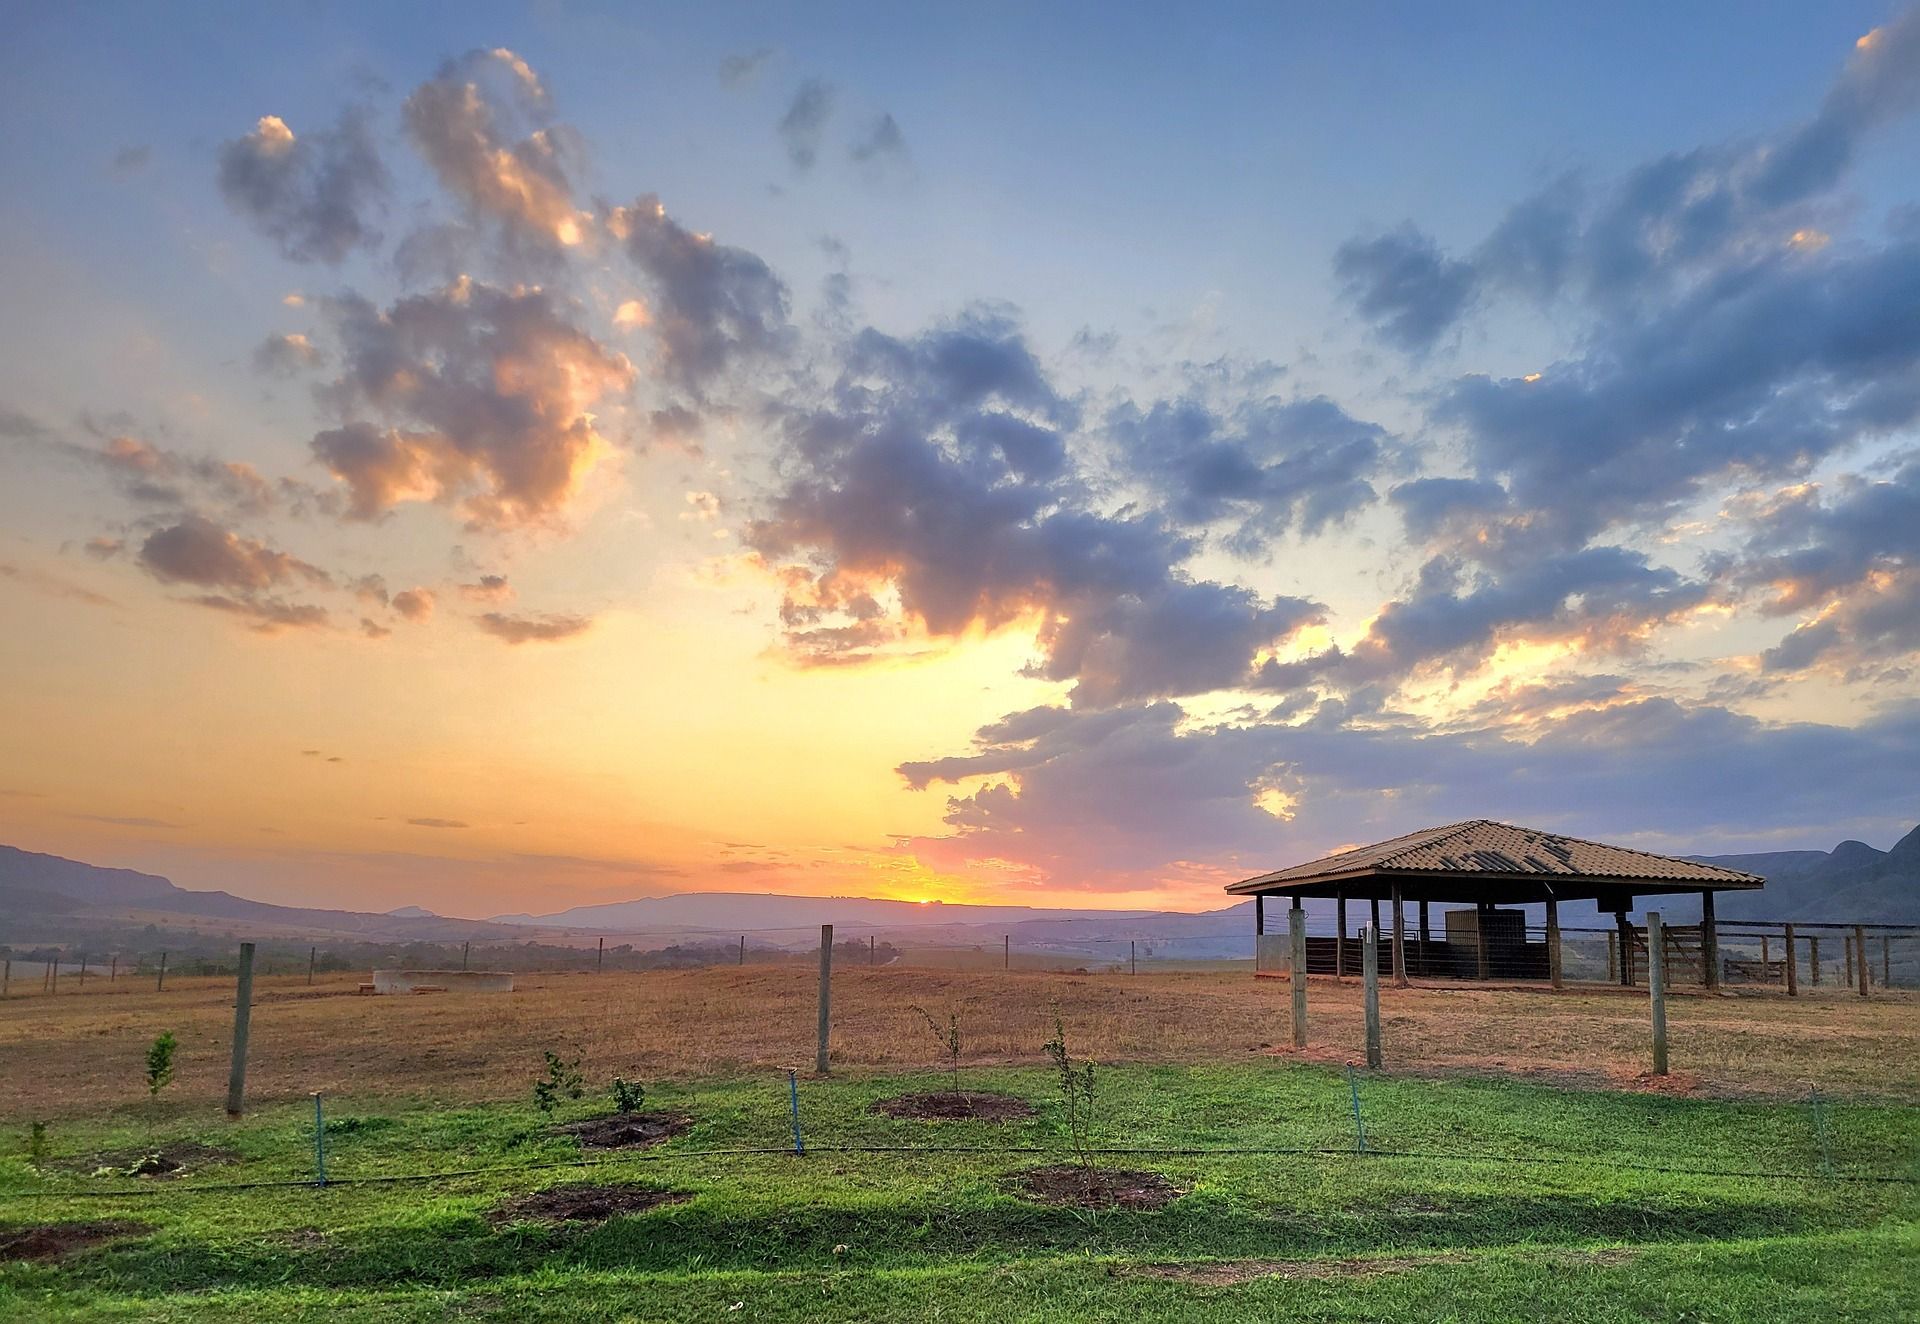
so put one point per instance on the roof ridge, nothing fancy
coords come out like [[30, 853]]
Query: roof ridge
[[1444, 832], [1607, 845]]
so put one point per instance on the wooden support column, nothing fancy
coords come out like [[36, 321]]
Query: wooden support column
[[1297, 970], [1426, 938], [1793, 967], [1657, 989], [1553, 942], [1399, 939], [1613, 956], [1886, 961], [1339, 935], [1483, 959], [1374, 909], [1625, 930], [1709, 941], [1259, 916], [1863, 964], [1813, 959], [1846, 958]]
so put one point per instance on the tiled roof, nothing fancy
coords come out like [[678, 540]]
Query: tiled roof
[[1482, 846]]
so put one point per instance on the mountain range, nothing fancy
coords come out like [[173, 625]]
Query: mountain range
[[42, 894]]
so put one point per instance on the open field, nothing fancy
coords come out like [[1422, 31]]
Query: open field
[[80, 1054], [1518, 1165]]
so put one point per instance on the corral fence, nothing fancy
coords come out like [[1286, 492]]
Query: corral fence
[[1793, 957]]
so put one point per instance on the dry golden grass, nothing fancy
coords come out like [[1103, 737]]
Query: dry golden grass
[[82, 1052]]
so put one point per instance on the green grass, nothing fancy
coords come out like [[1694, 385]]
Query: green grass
[[1497, 1207]]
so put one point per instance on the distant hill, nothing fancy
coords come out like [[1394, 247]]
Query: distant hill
[[727, 911], [1851, 882], [28, 871]]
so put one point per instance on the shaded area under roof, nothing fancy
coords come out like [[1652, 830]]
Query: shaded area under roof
[[1484, 861]]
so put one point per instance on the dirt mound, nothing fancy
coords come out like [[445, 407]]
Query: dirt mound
[[582, 1204], [50, 1241], [1100, 1188], [626, 1130], [163, 1161], [955, 1106]]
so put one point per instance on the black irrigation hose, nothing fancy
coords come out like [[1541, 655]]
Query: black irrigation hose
[[1148, 1150]]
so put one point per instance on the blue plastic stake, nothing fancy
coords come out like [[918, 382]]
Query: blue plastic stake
[[1359, 1128], [319, 1142], [793, 1097]]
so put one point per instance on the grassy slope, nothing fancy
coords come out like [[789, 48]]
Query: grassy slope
[[1487, 1236]]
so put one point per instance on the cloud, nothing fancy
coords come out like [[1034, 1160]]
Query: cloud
[[713, 306], [486, 395], [739, 70], [1122, 799], [435, 823], [286, 355], [532, 629], [314, 196], [805, 122], [1402, 283], [54, 585], [463, 121], [120, 820], [132, 159], [488, 588], [1272, 464], [415, 604], [265, 613], [1659, 226], [197, 551], [155, 475], [882, 144], [934, 476]]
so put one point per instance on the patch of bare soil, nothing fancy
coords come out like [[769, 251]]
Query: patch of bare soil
[[626, 1130], [51, 1241], [161, 1161], [955, 1106], [1099, 1188], [1225, 1273], [582, 1204]]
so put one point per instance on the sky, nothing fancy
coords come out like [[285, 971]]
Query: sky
[[502, 458]]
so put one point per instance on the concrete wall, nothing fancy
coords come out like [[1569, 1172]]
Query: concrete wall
[[478, 981]]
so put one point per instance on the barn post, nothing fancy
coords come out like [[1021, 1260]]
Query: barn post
[[1863, 964], [1886, 961], [1709, 941], [1813, 958], [1370, 979], [826, 995], [1657, 989], [1339, 935], [242, 1014], [1483, 959], [1297, 970], [1426, 937], [1399, 940], [1553, 942], [1259, 917], [1793, 972], [1626, 948]]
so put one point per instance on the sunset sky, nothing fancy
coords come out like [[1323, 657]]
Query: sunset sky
[[499, 458]]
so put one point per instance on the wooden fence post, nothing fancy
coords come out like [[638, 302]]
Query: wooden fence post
[[113, 967], [1006, 951], [826, 996], [600, 957], [1793, 967], [1863, 964], [1657, 989], [1339, 935], [1133, 959], [1370, 979], [743, 950], [242, 1014], [1886, 961], [1613, 959], [160, 984], [1297, 972], [1553, 943], [466, 950], [313, 956], [1813, 958]]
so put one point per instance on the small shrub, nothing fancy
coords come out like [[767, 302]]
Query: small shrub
[[629, 1096], [160, 1063], [949, 1042], [1076, 1093], [562, 1081], [37, 1141]]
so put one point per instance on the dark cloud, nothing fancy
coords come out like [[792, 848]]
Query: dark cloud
[[713, 306], [934, 475], [487, 395], [157, 476], [266, 613], [197, 551], [435, 823], [131, 160], [316, 195], [532, 629], [805, 122], [1663, 224], [488, 588], [1405, 285], [286, 355], [1270, 464], [414, 604]]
